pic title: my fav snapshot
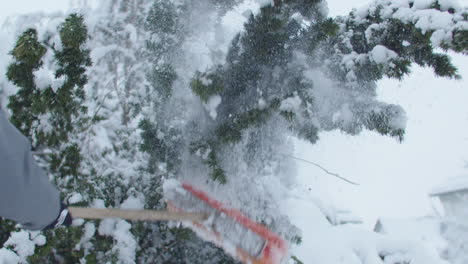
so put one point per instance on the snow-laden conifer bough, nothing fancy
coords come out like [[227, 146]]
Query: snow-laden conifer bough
[[240, 236]]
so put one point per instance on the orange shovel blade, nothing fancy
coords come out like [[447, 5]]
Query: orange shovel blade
[[258, 244]]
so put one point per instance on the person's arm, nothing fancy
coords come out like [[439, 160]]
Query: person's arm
[[26, 195]]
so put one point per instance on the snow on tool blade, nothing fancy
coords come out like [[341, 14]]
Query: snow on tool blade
[[241, 237]]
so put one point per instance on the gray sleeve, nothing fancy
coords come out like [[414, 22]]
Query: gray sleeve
[[26, 195]]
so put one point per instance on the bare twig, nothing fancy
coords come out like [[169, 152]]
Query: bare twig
[[322, 168], [167, 248]]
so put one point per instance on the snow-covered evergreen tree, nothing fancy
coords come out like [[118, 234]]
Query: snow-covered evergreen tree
[[293, 69], [49, 106], [175, 92]]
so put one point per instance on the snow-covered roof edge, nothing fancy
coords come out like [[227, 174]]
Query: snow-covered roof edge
[[453, 184]]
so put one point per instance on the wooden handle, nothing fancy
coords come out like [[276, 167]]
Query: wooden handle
[[137, 215]]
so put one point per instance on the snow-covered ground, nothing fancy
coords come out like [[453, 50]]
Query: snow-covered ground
[[395, 178]]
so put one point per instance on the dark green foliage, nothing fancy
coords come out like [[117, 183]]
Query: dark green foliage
[[217, 173], [443, 66], [266, 44], [209, 156], [319, 32], [231, 131], [27, 55], [296, 260], [297, 240], [62, 106], [162, 22], [163, 77], [162, 18], [28, 51], [460, 41], [65, 106], [401, 69], [61, 244], [207, 84], [380, 122], [7, 227], [161, 143], [73, 34], [65, 162], [257, 69], [409, 42], [72, 61], [308, 132], [180, 245], [51, 117]]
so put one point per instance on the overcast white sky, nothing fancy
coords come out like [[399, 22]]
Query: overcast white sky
[[27, 6], [395, 178]]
